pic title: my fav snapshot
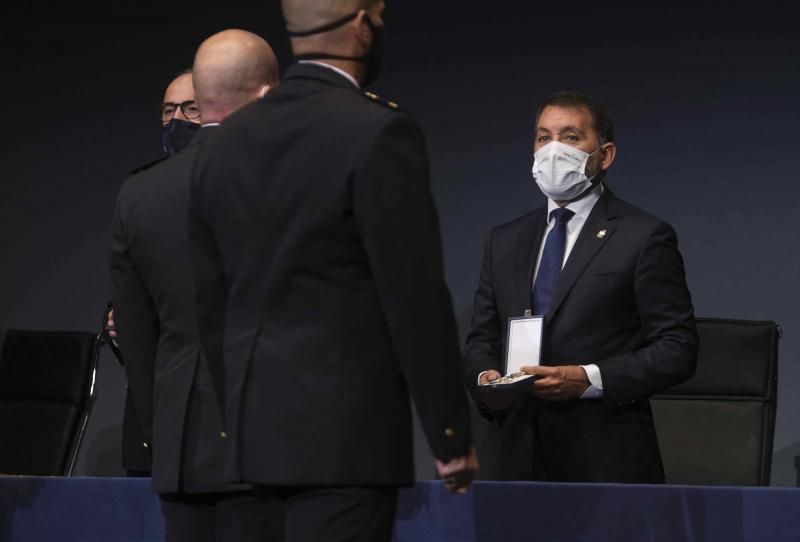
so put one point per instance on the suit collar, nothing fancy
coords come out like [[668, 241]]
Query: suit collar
[[589, 242], [318, 73], [334, 69], [530, 239], [201, 135], [596, 232]]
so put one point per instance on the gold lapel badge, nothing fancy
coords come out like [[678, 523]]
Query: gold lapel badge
[[601, 234]]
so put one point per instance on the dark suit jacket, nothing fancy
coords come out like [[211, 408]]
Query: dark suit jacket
[[135, 447], [154, 311], [318, 259], [622, 303]]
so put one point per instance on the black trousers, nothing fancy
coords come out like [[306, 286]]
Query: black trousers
[[334, 514], [238, 516]]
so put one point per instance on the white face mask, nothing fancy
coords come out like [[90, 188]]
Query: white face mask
[[560, 171]]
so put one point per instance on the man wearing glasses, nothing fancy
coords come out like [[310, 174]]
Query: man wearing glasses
[[180, 116], [180, 119], [153, 294]]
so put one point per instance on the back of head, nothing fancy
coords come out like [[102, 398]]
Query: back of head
[[231, 69], [302, 15], [346, 34]]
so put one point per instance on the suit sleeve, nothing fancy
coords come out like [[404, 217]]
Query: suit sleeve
[[136, 322], [668, 327], [209, 279], [399, 228], [482, 350]]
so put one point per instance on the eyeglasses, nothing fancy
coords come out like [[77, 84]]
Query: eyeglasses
[[188, 108]]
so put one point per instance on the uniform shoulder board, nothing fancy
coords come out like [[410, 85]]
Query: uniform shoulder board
[[377, 99], [148, 165]]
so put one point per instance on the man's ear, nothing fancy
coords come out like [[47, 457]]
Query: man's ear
[[609, 154], [363, 27]]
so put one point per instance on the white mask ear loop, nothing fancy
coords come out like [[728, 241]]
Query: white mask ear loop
[[601, 147]]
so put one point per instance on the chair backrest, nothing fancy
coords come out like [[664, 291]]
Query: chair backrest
[[717, 428], [46, 393]]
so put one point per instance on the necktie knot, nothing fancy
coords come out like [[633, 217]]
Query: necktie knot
[[562, 215]]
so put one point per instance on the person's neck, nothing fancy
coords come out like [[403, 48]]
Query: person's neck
[[351, 67], [598, 180], [212, 114]]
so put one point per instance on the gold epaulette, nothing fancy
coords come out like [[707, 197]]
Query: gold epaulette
[[377, 99]]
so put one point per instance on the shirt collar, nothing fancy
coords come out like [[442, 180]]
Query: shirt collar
[[582, 207], [334, 68]]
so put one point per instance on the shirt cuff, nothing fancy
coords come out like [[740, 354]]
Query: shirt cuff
[[595, 390]]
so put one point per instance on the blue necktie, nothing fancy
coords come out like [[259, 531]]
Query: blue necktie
[[552, 261]]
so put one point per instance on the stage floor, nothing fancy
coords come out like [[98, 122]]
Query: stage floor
[[36, 509]]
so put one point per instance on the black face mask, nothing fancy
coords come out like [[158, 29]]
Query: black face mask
[[372, 60], [176, 135]]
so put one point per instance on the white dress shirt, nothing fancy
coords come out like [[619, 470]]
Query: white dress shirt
[[581, 208]]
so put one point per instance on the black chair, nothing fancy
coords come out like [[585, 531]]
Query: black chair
[[47, 390], [717, 428]]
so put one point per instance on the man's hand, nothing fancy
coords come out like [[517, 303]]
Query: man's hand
[[559, 383], [488, 376], [494, 400], [112, 332], [458, 473]]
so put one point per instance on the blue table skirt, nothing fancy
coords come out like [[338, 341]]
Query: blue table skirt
[[119, 509]]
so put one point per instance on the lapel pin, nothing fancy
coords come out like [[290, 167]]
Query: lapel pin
[[601, 234]]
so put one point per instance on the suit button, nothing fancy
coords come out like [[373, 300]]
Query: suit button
[[449, 432]]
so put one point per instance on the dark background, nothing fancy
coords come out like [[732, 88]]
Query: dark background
[[704, 96]]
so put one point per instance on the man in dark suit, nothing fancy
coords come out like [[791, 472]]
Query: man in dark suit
[[135, 446], [618, 319], [154, 313], [320, 285], [180, 115], [180, 119]]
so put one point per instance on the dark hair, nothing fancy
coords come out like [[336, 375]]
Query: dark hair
[[571, 99]]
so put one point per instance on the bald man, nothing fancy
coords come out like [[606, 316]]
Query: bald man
[[155, 318], [180, 119], [317, 250], [180, 115]]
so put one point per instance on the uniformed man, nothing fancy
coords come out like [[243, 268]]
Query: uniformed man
[[316, 249], [180, 119], [135, 447], [155, 317], [180, 115]]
